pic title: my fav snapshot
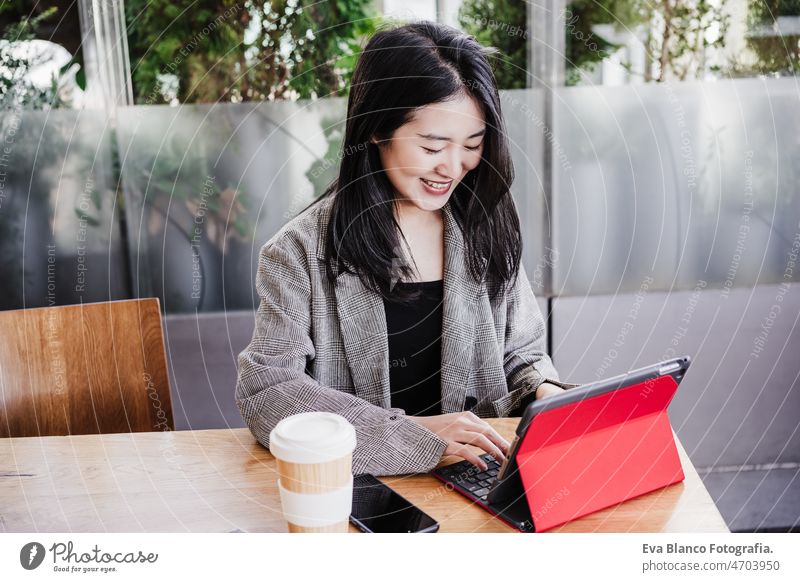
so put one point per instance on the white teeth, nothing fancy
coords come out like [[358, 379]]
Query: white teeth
[[436, 185]]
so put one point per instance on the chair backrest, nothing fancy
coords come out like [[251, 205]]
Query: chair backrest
[[84, 369]]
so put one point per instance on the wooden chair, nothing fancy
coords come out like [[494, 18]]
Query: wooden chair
[[84, 369]]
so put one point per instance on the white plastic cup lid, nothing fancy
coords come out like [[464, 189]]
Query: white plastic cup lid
[[312, 437]]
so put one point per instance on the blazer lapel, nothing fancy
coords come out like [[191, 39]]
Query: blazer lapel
[[461, 292], [362, 320]]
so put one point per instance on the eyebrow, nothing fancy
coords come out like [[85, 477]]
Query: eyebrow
[[440, 138]]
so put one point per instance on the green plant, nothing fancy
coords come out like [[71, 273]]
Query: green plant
[[779, 55], [675, 32], [501, 24], [585, 48], [504, 24], [680, 33], [16, 89], [198, 51]]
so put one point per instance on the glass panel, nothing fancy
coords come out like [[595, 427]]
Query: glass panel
[[206, 186], [524, 115], [678, 184], [58, 230]]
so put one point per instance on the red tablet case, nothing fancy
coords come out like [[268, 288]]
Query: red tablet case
[[588, 455]]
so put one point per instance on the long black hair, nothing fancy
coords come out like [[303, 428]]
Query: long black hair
[[400, 70]]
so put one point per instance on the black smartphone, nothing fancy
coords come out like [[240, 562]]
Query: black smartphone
[[377, 508]]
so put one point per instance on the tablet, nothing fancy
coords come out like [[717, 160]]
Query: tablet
[[582, 410], [675, 367]]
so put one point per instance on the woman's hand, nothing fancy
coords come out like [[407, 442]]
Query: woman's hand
[[460, 429], [546, 390]]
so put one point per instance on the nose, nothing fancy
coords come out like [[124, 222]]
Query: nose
[[451, 166]]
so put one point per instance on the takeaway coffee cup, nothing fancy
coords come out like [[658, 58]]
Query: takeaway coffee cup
[[314, 451]]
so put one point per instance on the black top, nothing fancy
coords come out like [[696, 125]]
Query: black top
[[415, 349]]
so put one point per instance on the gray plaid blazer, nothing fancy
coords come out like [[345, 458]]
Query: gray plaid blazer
[[319, 347]]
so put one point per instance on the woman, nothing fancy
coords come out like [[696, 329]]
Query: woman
[[398, 299]]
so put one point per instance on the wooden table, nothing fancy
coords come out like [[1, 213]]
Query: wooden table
[[224, 481]]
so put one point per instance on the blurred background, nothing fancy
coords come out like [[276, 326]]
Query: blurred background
[[150, 147]]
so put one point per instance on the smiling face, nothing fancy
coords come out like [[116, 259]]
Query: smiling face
[[428, 156]]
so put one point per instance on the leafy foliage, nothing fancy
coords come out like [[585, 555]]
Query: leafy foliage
[[16, 89], [773, 53], [194, 51], [680, 34], [675, 34], [501, 24], [584, 47]]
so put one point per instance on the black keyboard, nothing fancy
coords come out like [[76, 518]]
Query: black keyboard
[[470, 478]]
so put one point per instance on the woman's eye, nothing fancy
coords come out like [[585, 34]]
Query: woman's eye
[[472, 149]]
